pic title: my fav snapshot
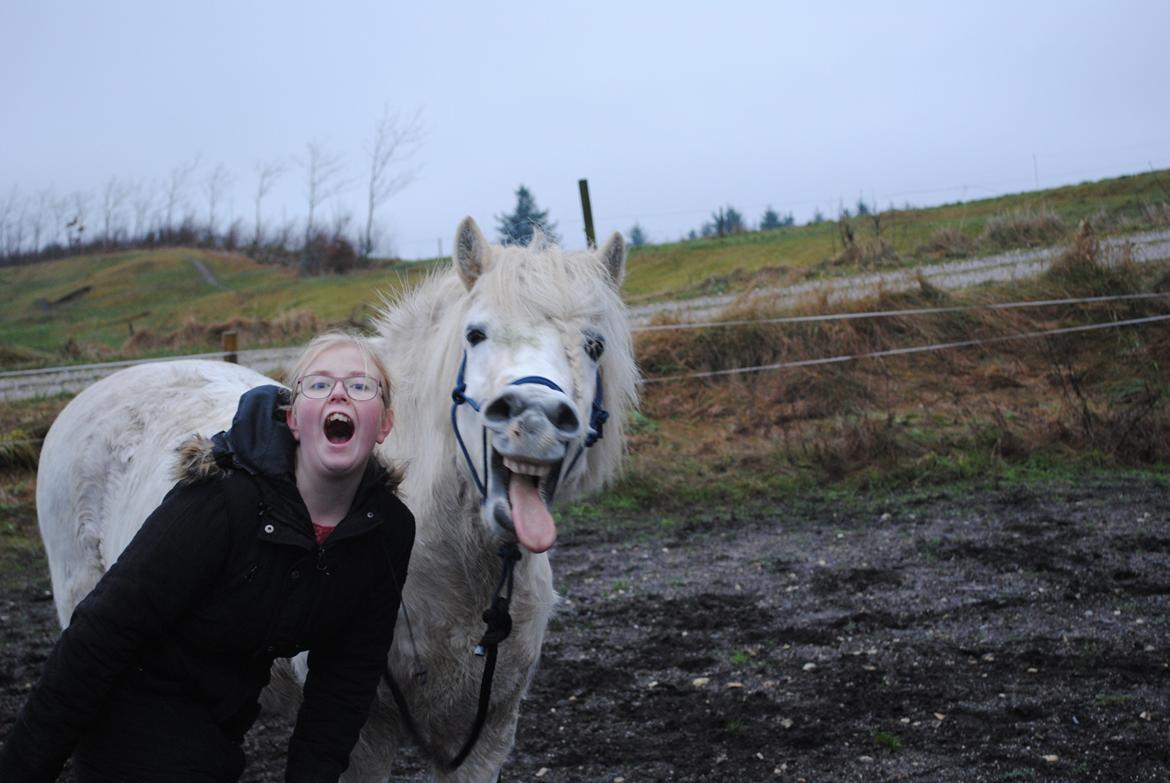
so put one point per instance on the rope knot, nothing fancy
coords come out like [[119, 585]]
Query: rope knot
[[499, 624]]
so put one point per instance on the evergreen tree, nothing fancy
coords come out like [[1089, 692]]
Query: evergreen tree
[[772, 220], [517, 228], [724, 222], [637, 236]]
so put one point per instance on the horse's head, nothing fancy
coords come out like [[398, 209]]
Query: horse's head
[[545, 352]]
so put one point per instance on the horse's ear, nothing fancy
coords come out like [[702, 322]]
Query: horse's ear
[[471, 251], [613, 255]]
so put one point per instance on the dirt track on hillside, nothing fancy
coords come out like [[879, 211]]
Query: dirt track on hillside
[[952, 274], [1018, 634]]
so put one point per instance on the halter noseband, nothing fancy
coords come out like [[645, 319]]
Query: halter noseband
[[597, 418]]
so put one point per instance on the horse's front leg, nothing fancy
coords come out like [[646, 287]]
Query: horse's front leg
[[486, 760], [373, 756]]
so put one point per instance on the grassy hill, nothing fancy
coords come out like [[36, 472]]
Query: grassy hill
[[898, 237], [94, 307], [157, 302]]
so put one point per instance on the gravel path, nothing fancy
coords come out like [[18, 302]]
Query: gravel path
[[1001, 267], [205, 272], [22, 384]]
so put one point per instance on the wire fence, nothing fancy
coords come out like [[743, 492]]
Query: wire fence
[[908, 350], [813, 362]]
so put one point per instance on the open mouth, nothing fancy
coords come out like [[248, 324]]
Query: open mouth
[[338, 428], [522, 491]]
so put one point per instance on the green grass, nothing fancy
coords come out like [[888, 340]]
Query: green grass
[[709, 266], [160, 290], [888, 740]]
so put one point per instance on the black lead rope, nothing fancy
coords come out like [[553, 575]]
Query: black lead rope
[[499, 626]]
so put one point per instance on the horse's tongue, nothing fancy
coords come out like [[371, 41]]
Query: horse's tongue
[[535, 528]]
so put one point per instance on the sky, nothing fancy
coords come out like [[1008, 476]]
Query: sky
[[670, 110]]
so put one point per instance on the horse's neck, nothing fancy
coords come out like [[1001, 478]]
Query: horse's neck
[[422, 354]]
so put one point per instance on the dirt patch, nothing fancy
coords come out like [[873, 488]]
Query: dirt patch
[[1013, 634]]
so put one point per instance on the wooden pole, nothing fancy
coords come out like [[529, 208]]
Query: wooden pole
[[587, 212], [230, 347]]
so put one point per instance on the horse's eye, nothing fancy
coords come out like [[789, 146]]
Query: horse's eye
[[594, 346], [475, 335]]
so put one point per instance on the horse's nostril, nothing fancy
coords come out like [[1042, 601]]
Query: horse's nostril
[[503, 408], [564, 418], [512, 405]]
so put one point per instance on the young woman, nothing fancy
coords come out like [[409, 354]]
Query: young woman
[[284, 534]]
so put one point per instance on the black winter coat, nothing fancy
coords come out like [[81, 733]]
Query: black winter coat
[[224, 577]]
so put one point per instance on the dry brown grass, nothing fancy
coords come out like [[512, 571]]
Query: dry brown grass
[[945, 243], [1027, 227], [252, 332], [865, 254], [1097, 395], [23, 426], [1157, 215]]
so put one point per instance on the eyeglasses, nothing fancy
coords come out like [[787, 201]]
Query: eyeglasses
[[358, 387]]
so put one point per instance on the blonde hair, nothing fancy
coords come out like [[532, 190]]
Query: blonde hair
[[329, 340]]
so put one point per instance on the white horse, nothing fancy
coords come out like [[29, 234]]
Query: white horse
[[538, 342]]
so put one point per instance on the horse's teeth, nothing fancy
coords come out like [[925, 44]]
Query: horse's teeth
[[526, 468]]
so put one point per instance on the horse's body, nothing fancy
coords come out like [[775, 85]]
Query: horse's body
[[499, 315]]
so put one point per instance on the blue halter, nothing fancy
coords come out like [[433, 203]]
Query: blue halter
[[597, 418]]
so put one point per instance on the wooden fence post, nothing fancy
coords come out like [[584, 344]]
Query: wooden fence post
[[230, 346], [587, 211]]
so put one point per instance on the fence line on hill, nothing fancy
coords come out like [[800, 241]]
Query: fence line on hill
[[904, 351], [792, 319], [651, 328], [908, 350]]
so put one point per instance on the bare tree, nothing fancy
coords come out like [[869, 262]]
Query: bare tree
[[8, 232], [232, 234], [59, 210], [395, 141], [79, 209], [141, 200], [175, 192], [218, 180], [39, 218], [282, 237], [322, 181], [266, 174], [114, 195]]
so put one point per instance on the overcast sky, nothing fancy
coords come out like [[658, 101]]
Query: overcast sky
[[670, 109]]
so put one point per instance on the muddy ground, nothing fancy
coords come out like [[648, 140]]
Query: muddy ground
[[1013, 633]]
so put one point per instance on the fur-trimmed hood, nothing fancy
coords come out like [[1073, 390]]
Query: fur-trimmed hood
[[260, 443]]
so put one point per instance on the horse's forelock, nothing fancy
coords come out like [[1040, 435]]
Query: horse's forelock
[[540, 282]]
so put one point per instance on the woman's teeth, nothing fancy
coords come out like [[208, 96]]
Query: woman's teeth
[[338, 428]]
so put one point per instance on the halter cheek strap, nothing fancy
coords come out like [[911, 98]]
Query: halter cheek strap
[[458, 397], [597, 417]]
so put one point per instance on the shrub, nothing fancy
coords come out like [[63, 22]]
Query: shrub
[[1025, 227], [946, 243]]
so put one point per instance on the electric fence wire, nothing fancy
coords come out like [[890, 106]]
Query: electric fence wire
[[843, 357], [907, 350], [793, 319]]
